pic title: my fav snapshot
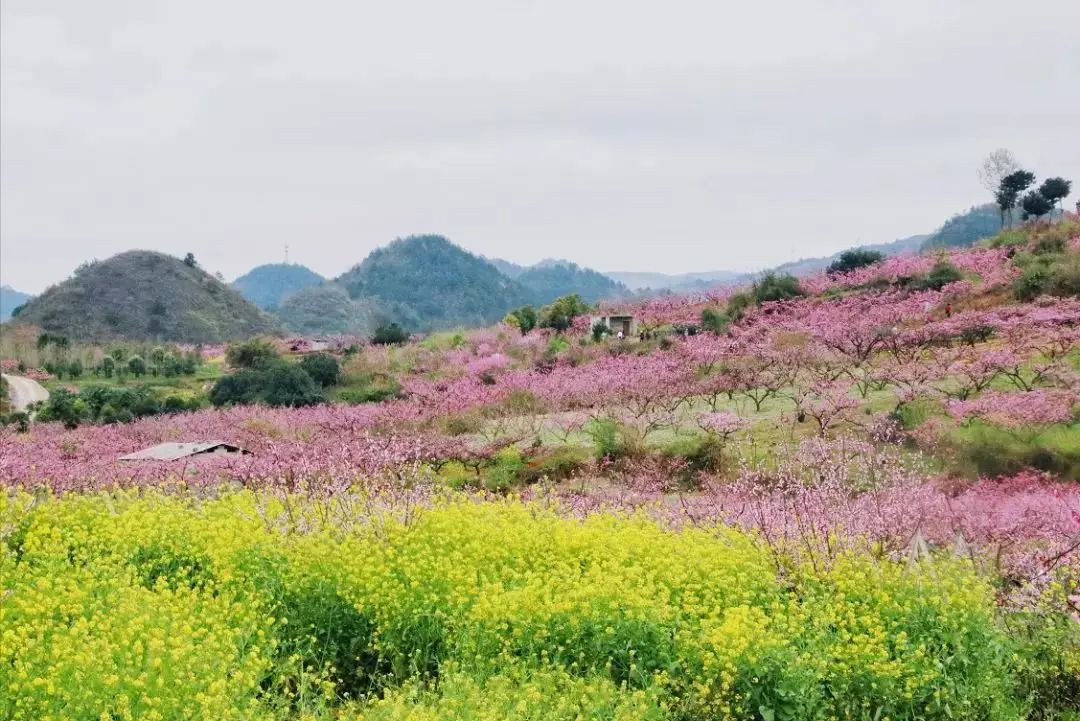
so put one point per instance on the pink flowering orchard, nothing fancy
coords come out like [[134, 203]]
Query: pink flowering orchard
[[866, 419], [667, 428]]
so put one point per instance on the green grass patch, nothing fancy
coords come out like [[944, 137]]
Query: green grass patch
[[986, 450]]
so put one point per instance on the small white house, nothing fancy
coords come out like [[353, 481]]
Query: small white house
[[618, 323]]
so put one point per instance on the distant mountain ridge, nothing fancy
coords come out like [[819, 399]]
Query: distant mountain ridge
[[687, 282], [145, 295], [960, 231], [425, 282], [328, 309], [268, 285], [422, 282], [968, 228], [552, 278], [642, 280], [805, 266], [508, 268], [10, 299]]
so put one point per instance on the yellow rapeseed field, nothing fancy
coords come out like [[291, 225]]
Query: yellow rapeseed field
[[243, 606]]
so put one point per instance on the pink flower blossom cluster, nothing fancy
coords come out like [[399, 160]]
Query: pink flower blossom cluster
[[831, 496], [487, 365], [990, 265], [38, 374], [722, 423], [1013, 410], [323, 445]]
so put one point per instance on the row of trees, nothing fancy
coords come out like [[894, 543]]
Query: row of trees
[[558, 315], [1012, 187], [102, 404], [56, 354], [120, 364]]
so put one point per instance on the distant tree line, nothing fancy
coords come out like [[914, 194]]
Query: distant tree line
[[56, 354], [1013, 187], [102, 404], [558, 315]]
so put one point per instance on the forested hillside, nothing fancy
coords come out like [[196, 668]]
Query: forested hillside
[[327, 308], [426, 282], [268, 285], [547, 281], [142, 294], [10, 299]]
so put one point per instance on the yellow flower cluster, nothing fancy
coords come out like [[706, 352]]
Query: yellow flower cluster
[[153, 606], [537, 695]]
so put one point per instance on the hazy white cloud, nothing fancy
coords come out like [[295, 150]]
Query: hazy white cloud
[[623, 135]]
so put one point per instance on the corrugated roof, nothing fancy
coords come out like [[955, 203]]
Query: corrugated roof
[[173, 451]]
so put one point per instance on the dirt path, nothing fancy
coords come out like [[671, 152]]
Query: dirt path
[[24, 391]]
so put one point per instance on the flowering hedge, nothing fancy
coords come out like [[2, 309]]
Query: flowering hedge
[[245, 606]]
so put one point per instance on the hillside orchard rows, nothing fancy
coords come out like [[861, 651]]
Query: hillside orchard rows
[[856, 503]]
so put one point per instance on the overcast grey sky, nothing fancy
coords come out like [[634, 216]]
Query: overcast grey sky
[[669, 136]]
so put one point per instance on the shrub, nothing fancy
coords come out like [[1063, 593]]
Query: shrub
[[280, 384], [774, 287], [102, 404], [177, 403], [136, 366], [464, 423], [505, 470], [978, 333], [116, 414], [1048, 244], [685, 329], [714, 320], [1065, 276], [1032, 282], [523, 403], [107, 366], [255, 353], [509, 469], [939, 276], [523, 318], [322, 367], [738, 305], [853, 259], [64, 407], [698, 452], [554, 466], [613, 440], [1053, 274], [556, 346], [239, 388], [1010, 237], [19, 419], [559, 315], [370, 388], [390, 334], [286, 384]]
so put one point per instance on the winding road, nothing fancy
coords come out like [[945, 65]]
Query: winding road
[[24, 391]]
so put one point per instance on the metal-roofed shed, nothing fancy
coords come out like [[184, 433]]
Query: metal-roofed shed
[[176, 451]]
